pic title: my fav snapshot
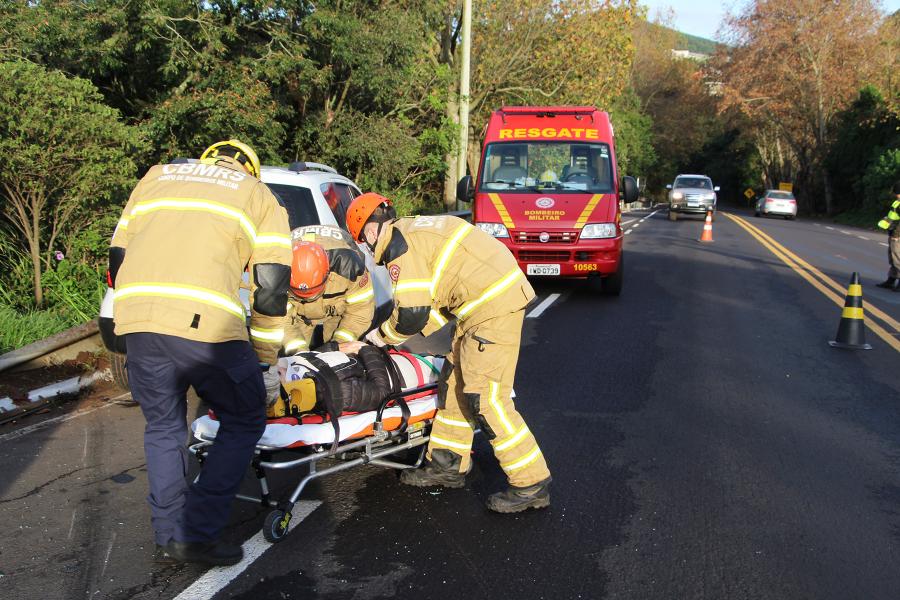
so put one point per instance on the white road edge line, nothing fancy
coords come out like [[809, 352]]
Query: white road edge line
[[628, 221], [630, 229], [60, 419], [215, 580], [885, 245], [831, 228], [540, 308]]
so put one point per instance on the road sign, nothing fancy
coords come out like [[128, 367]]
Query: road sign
[[786, 187], [749, 193]]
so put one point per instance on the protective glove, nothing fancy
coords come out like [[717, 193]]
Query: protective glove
[[272, 381], [350, 347], [374, 338]]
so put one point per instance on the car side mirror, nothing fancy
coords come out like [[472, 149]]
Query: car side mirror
[[465, 189], [669, 186], [629, 189], [716, 189]]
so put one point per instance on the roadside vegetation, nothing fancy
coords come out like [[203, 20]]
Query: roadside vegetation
[[97, 91]]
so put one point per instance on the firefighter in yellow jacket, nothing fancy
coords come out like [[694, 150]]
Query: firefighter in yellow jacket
[[330, 289], [444, 268], [177, 257]]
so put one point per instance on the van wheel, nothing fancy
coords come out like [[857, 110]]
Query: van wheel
[[612, 284], [673, 216], [119, 374]]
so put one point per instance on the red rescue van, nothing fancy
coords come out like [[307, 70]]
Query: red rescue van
[[548, 187]]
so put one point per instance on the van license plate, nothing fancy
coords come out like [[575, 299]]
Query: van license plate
[[543, 270]]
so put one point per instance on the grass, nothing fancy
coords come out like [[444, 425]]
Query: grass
[[866, 218], [17, 329]]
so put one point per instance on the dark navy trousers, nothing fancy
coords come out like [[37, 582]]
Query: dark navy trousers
[[227, 377]]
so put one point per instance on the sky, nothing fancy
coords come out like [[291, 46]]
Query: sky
[[703, 17]]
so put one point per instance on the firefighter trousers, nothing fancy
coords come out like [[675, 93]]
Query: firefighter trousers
[[478, 392], [227, 377], [894, 254]]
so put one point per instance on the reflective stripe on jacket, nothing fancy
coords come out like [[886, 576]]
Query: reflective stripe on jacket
[[347, 303], [892, 218], [189, 231], [444, 267]]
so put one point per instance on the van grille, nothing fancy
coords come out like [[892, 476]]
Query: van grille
[[544, 255], [556, 237]]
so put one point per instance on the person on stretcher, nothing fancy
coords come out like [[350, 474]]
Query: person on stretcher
[[334, 383]]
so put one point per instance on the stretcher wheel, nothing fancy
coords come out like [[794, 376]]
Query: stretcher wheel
[[276, 525]]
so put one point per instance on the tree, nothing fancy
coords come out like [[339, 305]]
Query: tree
[[64, 153], [676, 94], [793, 65]]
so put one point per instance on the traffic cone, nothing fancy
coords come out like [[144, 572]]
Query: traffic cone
[[707, 228], [851, 332]]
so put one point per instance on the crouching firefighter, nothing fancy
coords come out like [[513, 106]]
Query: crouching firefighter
[[443, 268], [332, 301], [175, 262]]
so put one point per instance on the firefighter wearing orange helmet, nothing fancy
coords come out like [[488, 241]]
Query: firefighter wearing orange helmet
[[444, 268], [330, 288]]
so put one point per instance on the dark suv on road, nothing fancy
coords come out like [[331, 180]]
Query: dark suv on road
[[691, 194]]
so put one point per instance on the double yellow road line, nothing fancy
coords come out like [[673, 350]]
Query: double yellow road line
[[829, 287]]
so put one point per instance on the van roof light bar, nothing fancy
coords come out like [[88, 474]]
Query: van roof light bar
[[548, 110], [301, 166]]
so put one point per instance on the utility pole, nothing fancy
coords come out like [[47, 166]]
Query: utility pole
[[464, 90]]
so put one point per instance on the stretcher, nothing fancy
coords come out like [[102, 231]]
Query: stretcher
[[394, 436]]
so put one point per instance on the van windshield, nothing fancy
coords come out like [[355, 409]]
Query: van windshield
[[560, 167]]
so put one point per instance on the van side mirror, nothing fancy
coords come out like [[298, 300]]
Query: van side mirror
[[465, 189], [630, 189], [668, 186], [716, 189]]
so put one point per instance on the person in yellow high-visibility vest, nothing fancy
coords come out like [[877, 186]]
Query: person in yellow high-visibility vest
[[891, 224], [445, 268]]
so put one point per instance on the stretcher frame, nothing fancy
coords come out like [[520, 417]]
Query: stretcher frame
[[374, 449]]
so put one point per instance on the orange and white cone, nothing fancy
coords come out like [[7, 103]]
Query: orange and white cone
[[707, 228]]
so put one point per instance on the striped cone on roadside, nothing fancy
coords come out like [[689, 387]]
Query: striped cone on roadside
[[851, 332], [707, 228]]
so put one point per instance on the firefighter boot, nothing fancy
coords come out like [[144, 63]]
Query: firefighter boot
[[890, 283], [442, 469], [516, 499]]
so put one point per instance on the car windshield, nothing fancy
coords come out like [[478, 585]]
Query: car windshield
[[562, 167], [298, 202], [701, 183], [781, 195]]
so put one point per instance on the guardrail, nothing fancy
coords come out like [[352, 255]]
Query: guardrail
[[48, 345]]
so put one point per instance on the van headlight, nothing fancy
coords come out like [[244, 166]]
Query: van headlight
[[498, 230], [709, 196], [594, 231], [677, 195]]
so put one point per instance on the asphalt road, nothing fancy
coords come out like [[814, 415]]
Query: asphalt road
[[704, 439]]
